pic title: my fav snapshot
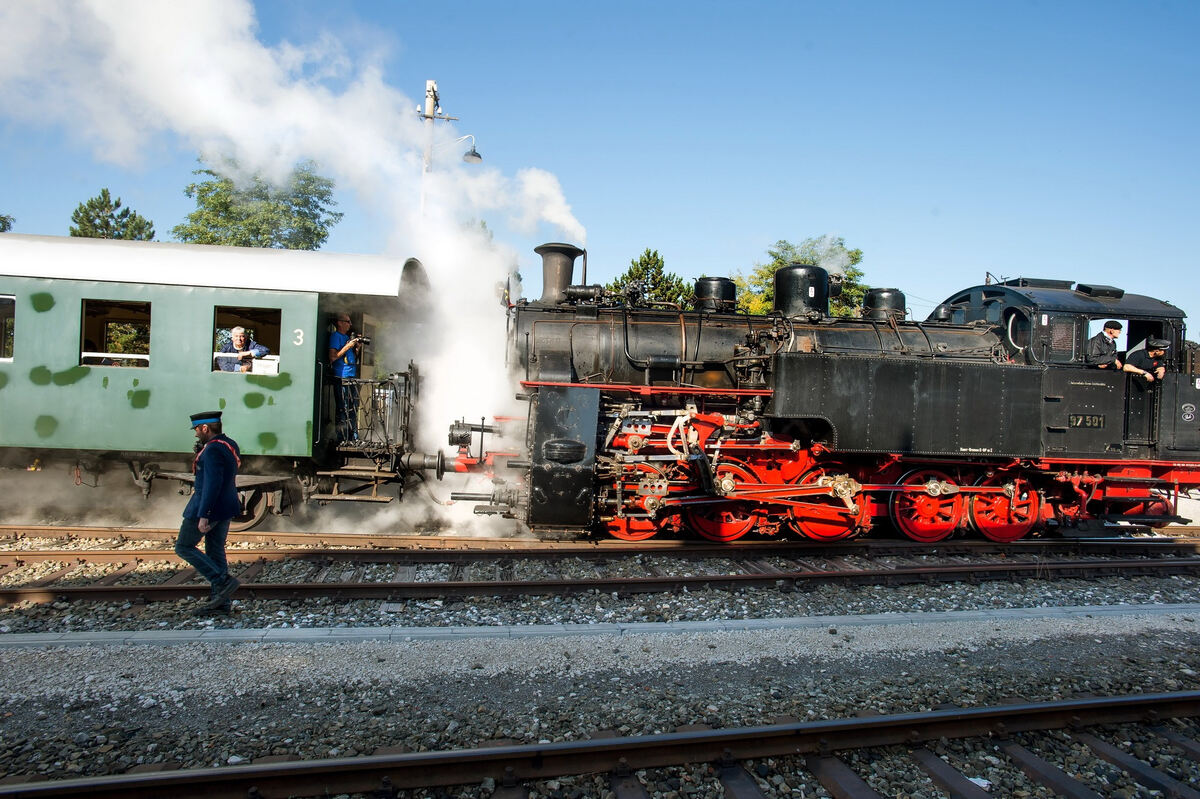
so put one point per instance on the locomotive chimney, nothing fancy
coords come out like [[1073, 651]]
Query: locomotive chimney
[[802, 290], [558, 268]]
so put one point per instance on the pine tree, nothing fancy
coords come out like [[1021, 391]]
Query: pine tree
[[102, 218], [6, 223], [648, 272]]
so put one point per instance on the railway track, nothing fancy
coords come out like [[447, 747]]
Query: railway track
[[140, 576], [830, 753], [16, 532]]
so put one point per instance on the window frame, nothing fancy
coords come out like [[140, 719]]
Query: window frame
[[264, 324], [8, 328], [107, 356]]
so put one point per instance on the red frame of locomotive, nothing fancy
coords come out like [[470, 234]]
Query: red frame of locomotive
[[771, 486]]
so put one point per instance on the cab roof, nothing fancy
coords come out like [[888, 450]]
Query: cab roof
[[1069, 297], [169, 263]]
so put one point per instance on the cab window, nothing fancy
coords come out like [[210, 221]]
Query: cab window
[[260, 328], [1063, 340], [1016, 328], [115, 333], [8, 325]]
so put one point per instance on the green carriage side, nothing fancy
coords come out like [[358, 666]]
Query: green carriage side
[[107, 346]]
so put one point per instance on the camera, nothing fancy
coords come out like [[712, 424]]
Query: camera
[[366, 340]]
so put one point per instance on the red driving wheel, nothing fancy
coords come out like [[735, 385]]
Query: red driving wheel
[[999, 517], [924, 516], [826, 518], [725, 521]]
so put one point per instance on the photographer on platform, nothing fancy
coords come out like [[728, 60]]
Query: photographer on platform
[[345, 354]]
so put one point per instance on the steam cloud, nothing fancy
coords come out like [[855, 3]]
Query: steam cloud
[[125, 76]]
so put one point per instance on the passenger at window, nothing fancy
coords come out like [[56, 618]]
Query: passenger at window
[[246, 348], [1149, 363], [344, 351], [1102, 347]]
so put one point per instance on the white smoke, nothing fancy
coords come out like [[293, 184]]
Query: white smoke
[[126, 76], [831, 255]]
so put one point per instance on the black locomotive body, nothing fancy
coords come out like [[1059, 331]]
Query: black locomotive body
[[985, 416]]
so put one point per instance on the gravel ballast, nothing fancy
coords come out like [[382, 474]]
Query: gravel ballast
[[109, 708]]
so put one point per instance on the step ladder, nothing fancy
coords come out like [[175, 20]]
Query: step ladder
[[363, 479]]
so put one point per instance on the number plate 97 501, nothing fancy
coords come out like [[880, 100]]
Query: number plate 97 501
[[1093, 421]]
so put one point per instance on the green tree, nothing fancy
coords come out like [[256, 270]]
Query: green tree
[[756, 292], [101, 217], [657, 285], [130, 337], [296, 216], [6, 223]]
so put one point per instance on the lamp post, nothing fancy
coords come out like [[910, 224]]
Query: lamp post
[[431, 112]]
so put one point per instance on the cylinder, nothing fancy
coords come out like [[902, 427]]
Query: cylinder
[[802, 289], [715, 294], [883, 304], [558, 268]]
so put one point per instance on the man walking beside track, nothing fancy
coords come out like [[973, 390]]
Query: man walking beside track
[[213, 504]]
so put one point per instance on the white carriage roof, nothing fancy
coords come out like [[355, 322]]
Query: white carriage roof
[[175, 264]]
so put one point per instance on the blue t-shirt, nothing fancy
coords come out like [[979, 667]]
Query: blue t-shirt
[[345, 366]]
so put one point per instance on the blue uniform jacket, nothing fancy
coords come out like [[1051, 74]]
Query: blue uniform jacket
[[214, 496]]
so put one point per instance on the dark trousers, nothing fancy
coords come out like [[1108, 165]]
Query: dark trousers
[[211, 562], [345, 396]]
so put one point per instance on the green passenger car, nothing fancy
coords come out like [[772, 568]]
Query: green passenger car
[[106, 347]]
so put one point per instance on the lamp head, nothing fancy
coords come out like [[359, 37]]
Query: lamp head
[[472, 156]]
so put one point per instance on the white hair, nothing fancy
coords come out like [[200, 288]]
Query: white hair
[[233, 331]]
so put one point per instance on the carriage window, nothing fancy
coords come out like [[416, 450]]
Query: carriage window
[[246, 339], [115, 333], [8, 326]]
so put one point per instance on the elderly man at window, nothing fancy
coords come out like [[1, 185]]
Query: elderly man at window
[[246, 349]]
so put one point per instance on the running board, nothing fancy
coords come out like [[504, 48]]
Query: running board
[[350, 498], [1144, 519]]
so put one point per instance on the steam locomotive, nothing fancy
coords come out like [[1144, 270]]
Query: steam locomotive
[[647, 419]]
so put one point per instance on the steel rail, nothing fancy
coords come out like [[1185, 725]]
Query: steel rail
[[435, 545], [945, 573], [540, 761], [1126, 547]]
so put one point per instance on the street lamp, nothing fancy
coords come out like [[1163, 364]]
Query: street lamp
[[471, 156]]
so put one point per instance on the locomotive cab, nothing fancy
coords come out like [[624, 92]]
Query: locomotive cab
[[1087, 410]]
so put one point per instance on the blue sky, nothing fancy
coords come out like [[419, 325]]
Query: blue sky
[[946, 140]]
